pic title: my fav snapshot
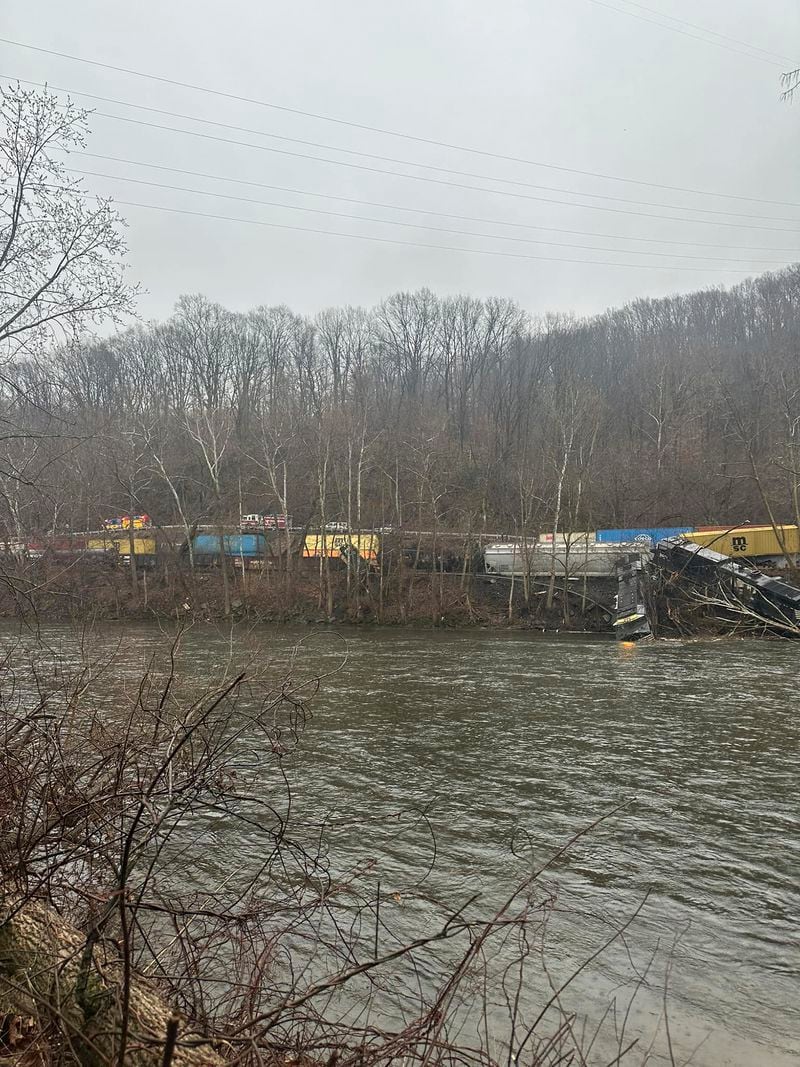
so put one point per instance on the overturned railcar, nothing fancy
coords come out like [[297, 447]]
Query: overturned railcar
[[769, 544], [583, 559]]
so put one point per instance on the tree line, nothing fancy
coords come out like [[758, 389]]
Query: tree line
[[424, 412]]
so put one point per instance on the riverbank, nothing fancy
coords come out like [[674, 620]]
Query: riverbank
[[78, 592]]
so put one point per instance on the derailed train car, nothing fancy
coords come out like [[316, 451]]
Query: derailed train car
[[767, 543], [583, 559]]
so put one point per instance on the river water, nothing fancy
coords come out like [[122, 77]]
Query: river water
[[512, 743]]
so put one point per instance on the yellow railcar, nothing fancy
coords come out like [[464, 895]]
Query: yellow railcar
[[749, 541], [142, 546], [340, 545]]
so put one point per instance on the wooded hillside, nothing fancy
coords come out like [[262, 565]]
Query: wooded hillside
[[452, 413]]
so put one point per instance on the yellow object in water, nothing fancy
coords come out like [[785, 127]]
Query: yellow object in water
[[337, 546], [748, 541], [120, 543]]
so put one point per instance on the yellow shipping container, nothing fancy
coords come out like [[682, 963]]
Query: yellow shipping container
[[748, 541], [142, 546], [330, 544]]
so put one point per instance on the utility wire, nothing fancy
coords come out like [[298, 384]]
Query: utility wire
[[393, 159], [426, 211], [373, 129], [705, 29], [417, 244], [418, 226], [685, 33], [442, 181]]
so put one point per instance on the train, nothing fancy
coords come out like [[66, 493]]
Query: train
[[766, 543], [103, 547], [595, 554], [642, 535], [582, 554], [248, 549], [351, 545], [536, 559]]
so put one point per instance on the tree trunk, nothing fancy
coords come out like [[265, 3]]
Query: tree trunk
[[50, 974]]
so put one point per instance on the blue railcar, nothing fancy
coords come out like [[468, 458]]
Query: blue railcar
[[643, 535], [234, 546]]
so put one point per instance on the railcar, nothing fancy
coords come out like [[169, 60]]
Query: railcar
[[750, 542], [342, 545]]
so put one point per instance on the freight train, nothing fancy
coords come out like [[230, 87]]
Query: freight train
[[105, 547], [770, 545], [595, 554], [537, 559], [364, 546], [248, 549], [586, 554], [253, 549], [767, 544]]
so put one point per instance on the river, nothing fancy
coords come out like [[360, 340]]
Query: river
[[515, 738]]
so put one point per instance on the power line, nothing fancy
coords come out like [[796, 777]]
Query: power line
[[417, 244], [442, 181], [705, 29], [406, 162], [427, 211], [448, 170], [684, 33], [417, 226], [377, 129]]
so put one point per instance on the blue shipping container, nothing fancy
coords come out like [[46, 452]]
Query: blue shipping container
[[251, 546], [642, 535]]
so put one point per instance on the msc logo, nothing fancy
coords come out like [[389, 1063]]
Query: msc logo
[[739, 544]]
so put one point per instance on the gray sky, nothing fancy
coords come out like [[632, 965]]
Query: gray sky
[[571, 83]]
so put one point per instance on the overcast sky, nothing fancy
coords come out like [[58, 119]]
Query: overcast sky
[[591, 85]]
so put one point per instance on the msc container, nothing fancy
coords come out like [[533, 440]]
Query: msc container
[[647, 535], [749, 541], [237, 546]]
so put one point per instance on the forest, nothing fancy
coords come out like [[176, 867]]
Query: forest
[[438, 413]]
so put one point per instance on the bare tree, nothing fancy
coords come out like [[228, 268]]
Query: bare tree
[[61, 251]]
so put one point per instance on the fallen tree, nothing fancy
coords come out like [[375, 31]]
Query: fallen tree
[[62, 990]]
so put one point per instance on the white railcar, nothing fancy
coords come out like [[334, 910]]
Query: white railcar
[[583, 559]]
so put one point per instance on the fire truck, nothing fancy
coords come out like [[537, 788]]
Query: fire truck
[[257, 522]]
